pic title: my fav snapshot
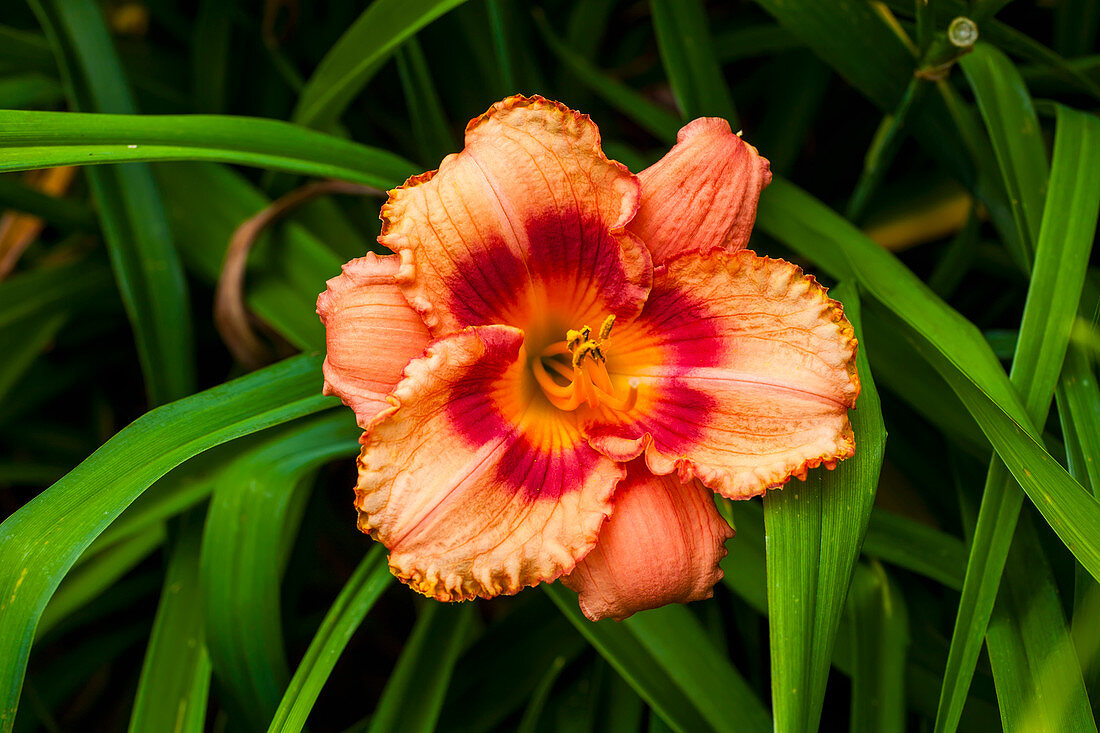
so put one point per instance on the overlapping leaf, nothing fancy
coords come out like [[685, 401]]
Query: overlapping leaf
[[50, 532], [814, 535]]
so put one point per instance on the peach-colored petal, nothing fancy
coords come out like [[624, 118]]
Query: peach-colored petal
[[527, 218], [745, 372], [702, 194], [661, 545], [371, 332], [477, 486]]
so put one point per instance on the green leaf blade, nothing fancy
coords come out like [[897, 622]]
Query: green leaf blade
[[683, 38], [666, 657], [345, 69], [1014, 131], [175, 677], [371, 578], [879, 620], [243, 556], [814, 533], [44, 139], [1064, 245], [414, 695], [50, 532], [147, 269]]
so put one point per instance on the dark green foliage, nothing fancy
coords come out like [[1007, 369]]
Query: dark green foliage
[[178, 551]]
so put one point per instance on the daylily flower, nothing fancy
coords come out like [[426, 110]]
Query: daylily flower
[[562, 360]]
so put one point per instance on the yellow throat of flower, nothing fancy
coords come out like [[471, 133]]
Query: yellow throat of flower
[[585, 376]]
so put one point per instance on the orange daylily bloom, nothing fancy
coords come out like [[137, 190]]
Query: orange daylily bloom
[[562, 360]]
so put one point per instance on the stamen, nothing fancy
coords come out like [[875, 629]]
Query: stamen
[[561, 369], [558, 348], [549, 386], [562, 397], [605, 329], [599, 377], [591, 394], [588, 380], [588, 347]]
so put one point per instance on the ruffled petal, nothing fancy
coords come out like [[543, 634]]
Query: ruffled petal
[[371, 333], [477, 487], [661, 545], [528, 218], [745, 372], [702, 194]]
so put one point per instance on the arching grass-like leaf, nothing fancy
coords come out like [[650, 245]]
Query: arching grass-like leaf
[[29, 91], [531, 716], [1078, 398], [91, 579], [856, 42], [346, 69], [27, 51], [430, 128], [1064, 243], [814, 532], [248, 533], [745, 577], [1015, 133], [66, 213], [31, 140], [147, 269], [370, 579], [487, 686], [175, 678], [41, 541], [917, 547], [656, 120], [36, 305], [876, 611], [1038, 675], [208, 203], [666, 657], [864, 45], [753, 40], [683, 38], [210, 52], [414, 694]]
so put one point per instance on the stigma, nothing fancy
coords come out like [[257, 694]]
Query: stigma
[[583, 375]]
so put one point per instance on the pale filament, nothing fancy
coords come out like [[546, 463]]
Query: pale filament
[[587, 380]]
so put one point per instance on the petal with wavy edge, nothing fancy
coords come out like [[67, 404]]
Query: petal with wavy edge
[[702, 194], [476, 486], [661, 545], [745, 373], [527, 219], [371, 333]]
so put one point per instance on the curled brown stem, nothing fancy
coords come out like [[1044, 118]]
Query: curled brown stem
[[231, 316]]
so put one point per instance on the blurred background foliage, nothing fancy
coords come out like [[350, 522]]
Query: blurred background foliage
[[180, 551]]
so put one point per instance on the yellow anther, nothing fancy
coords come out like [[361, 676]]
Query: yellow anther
[[582, 344], [582, 381], [588, 347], [605, 329]]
